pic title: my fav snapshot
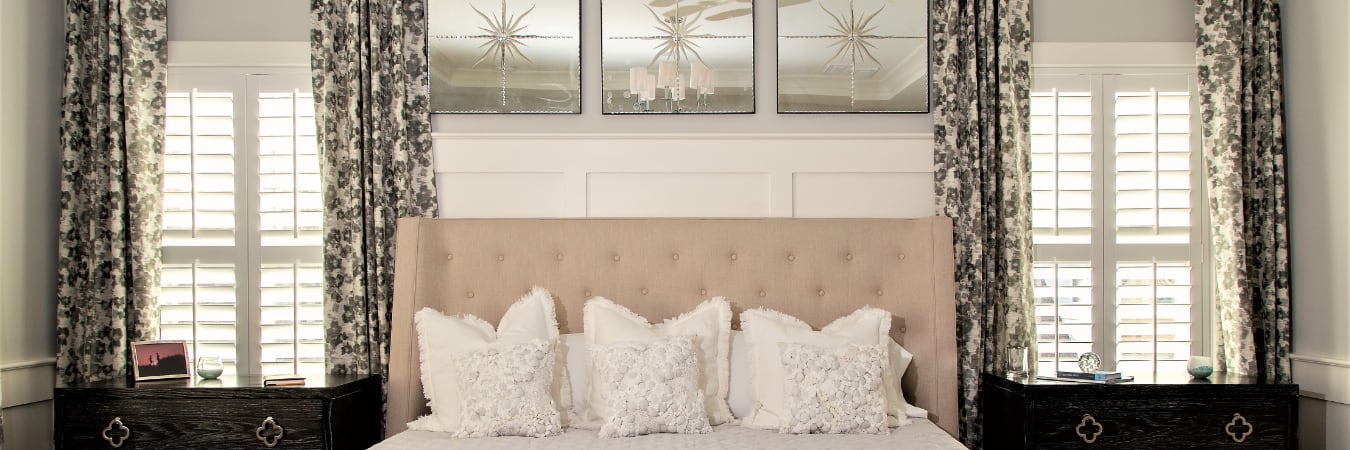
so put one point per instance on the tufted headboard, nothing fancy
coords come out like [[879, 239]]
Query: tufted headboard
[[814, 269]]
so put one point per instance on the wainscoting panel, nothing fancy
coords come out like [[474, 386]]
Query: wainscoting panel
[[501, 194], [677, 195], [684, 175], [863, 194]]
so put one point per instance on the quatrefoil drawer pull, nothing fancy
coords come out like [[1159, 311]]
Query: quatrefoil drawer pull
[[123, 434], [1239, 428], [1089, 429], [269, 433]]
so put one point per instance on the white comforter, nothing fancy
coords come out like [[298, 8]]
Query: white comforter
[[921, 434]]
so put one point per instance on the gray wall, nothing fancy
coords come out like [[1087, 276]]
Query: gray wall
[[1317, 88], [239, 20], [31, 53], [1113, 20]]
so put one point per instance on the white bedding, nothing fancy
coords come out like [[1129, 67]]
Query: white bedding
[[921, 434]]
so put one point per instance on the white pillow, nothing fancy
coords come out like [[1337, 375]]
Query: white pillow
[[834, 390], [764, 329], [607, 323], [738, 393], [505, 391], [652, 387], [578, 369], [442, 338]]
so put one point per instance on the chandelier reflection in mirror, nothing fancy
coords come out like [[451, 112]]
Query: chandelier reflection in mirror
[[846, 56], [666, 56], [500, 57]]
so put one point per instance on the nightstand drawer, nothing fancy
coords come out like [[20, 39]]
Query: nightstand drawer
[[334, 412], [1226, 411], [1159, 422], [180, 423]]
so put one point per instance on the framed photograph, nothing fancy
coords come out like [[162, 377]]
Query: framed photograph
[[160, 360], [505, 56]]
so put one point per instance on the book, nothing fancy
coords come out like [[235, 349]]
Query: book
[[1093, 376], [1082, 380], [283, 380]]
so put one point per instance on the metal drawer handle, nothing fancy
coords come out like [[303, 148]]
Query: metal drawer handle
[[1241, 424], [274, 432], [116, 441], [1095, 429]]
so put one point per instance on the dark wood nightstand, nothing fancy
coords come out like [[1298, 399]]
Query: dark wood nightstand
[[1169, 412], [329, 412]]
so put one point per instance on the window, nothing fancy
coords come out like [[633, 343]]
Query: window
[[243, 218], [1117, 208]]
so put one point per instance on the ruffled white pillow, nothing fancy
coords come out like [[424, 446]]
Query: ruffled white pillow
[[738, 391], [652, 387], [709, 323], [833, 391], [765, 329], [441, 339], [505, 391]]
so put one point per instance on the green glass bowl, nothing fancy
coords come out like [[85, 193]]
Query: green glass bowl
[[1200, 371]]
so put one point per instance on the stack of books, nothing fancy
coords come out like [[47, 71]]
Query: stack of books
[[1088, 377], [284, 380]]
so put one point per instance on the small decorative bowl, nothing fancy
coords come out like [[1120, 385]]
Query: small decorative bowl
[[1200, 367]]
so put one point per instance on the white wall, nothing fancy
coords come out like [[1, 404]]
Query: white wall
[[1317, 88], [31, 54]]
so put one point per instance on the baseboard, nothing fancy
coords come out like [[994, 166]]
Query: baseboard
[[1324, 378]]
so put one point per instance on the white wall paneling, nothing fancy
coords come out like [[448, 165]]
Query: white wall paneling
[[684, 175], [893, 194]]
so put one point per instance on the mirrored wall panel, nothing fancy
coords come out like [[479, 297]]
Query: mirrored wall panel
[[852, 56], [505, 56], [677, 56]]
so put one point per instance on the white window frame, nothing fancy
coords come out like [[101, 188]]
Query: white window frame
[[1104, 253], [244, 68]]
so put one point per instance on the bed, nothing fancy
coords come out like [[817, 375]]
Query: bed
[[814, 269]]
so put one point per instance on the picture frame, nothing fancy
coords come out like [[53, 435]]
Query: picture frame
[[505, 56], [160, 360]]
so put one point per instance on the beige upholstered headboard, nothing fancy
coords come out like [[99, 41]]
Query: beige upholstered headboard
[[814, 269]]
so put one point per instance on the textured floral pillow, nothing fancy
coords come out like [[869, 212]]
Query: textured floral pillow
[[834, 390], [653, 387], [505, 391]]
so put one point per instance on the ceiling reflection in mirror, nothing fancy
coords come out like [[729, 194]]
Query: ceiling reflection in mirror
[[677, 56], [852, 56], [505, 56]]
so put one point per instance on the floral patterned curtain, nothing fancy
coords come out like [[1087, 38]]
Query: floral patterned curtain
[[371, 98], [1239, 53], [981, 112], [112, 142]]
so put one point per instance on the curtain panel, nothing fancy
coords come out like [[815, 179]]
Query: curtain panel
[[112, 145], [371, 98], [981, 112], [1240, 71]]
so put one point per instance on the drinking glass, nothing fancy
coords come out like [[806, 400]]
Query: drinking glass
[[1017, 361], [209, 367]]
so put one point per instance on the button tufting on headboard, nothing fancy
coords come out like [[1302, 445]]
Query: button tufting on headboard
[[848, 256]]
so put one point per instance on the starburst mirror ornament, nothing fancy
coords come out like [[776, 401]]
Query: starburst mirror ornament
[[677, 56], [852, 56], [505, 56]]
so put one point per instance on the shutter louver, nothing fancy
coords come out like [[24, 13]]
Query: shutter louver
[[1153, 316], [290, 197], [292, 318], [197, 305], [1064, 312], [199, 202], [1153, 170], [1061, 166]]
